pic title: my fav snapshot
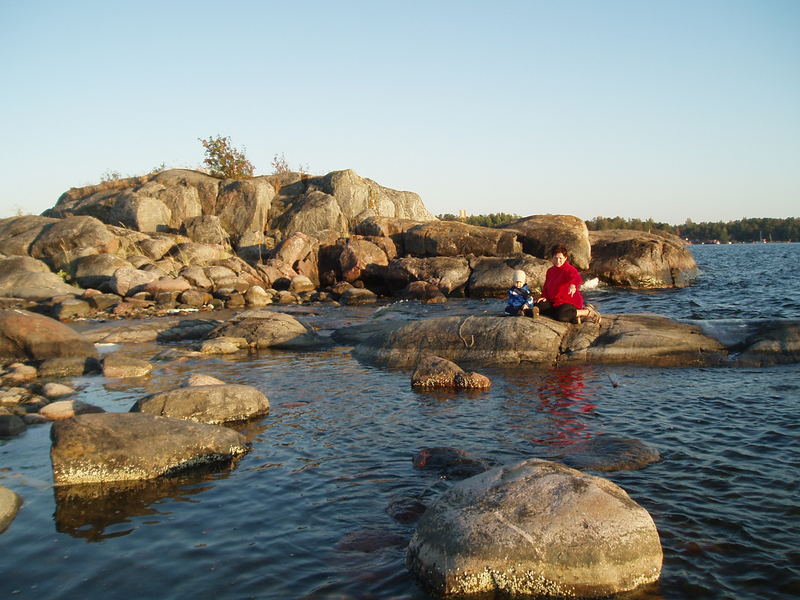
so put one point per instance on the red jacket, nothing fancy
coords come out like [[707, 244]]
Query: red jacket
[[557, 282]]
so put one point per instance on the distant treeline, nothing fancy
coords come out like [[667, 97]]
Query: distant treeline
[[744, 230], [492, 220]]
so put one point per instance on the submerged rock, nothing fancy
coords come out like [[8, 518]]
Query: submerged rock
[[216, 403], [450, 463], [535, 528], [610, 453], [102, 447]]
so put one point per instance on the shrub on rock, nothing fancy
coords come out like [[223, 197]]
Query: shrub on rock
[[535, 528]]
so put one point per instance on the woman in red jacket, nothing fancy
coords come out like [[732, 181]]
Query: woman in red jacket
[[561, 298]]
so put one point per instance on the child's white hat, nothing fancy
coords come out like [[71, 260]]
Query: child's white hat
[[519, 275]]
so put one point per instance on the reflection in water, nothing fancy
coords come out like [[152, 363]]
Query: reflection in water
[[565, 405], [549, 409], [96, 511]]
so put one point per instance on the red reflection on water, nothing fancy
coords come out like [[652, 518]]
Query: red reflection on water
[[564, 397]]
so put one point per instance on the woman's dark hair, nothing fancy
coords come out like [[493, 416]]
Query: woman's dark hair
[[559, 248]]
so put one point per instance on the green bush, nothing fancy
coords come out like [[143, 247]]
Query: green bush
[[223, 160]]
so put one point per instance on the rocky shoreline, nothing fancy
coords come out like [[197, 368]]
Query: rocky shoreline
[[215, 265]]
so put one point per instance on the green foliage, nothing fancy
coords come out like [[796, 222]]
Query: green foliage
[[491, 220], [225, 161], [743, 230]]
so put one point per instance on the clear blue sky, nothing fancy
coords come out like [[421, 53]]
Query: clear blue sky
[[636, 108]]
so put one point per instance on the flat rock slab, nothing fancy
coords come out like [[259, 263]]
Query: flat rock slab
[[217, 403], [96, 448], [535, 528], [624, 339]]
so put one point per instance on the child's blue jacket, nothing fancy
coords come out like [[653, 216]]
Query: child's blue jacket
[[518, 297]]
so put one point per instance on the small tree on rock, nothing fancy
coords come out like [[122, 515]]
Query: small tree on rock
[[223, 160]]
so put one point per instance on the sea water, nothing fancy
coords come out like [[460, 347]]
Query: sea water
[[304, 514]]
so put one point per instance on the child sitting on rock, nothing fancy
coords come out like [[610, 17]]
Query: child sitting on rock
[[520, 301]]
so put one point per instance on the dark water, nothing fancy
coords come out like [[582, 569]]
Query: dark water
[[336, 450]]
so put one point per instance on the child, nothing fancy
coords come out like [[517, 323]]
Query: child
[[520, 301]]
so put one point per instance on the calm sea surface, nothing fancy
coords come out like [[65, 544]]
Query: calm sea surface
[[293, 519]]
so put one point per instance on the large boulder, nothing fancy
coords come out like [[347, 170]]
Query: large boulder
[[448, 273], [638, 259], [218, 403], [205, 230], [96, 270], [358, 256], [263, 328], [67, 239], [387, 227], [103, 447], [502, 340], [29, 335], [451, 238], [243, 206], [535, 528], [127, 281], [492, 276], [300, 251], [140, 212], [312, 212], [31, 279], [539, 233], [17, 234]]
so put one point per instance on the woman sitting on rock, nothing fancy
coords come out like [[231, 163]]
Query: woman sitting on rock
[[561, 299]]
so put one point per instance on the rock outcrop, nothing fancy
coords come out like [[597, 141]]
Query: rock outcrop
[[215, 404], [535, 528], [104, 447], [641, 260], [289, 203]]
